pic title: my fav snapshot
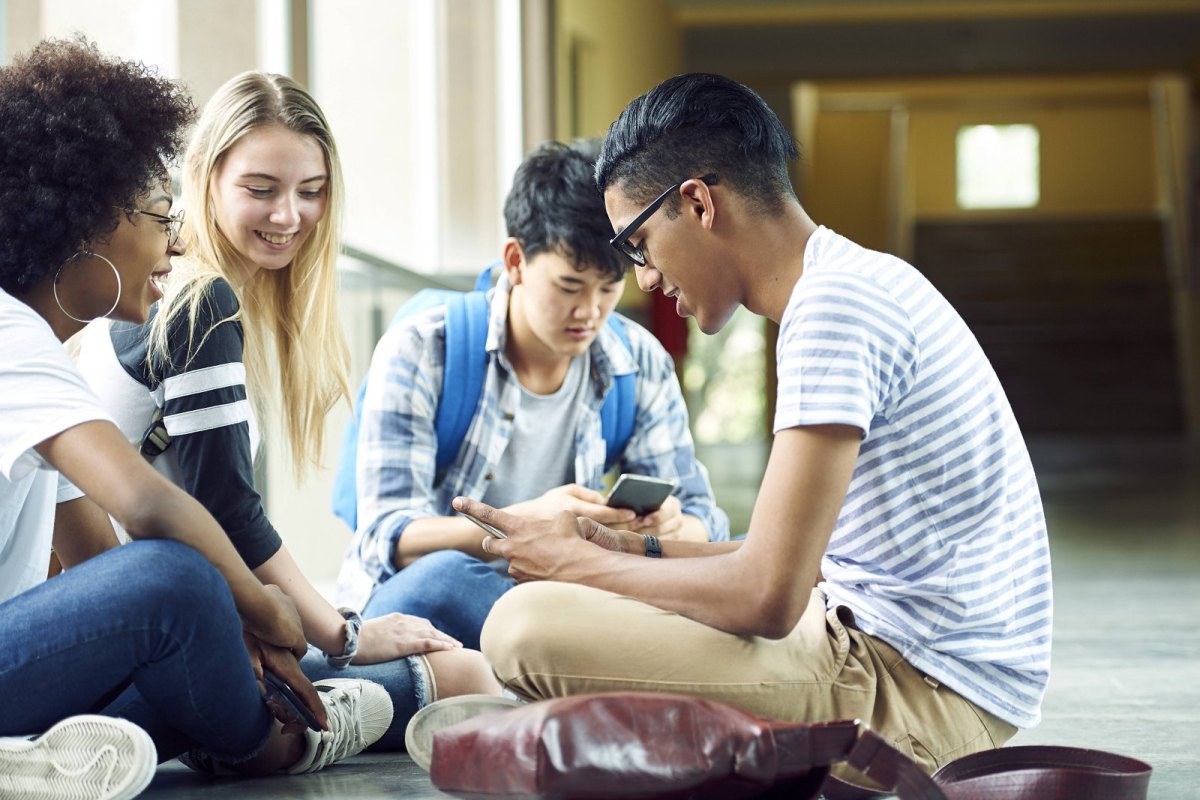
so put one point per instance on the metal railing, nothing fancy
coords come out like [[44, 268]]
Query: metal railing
[[359, 270]]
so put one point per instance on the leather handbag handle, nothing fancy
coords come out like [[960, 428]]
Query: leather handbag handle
[[1009, 773], [1044, 772]]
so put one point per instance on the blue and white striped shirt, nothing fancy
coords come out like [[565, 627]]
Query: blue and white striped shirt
[[397, 443], [940, 548]]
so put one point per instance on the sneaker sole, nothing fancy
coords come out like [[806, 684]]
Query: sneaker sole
[[84, 757], [418, 736]]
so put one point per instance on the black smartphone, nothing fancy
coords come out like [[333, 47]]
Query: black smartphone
[[641, 493], [279, 690], [491, 529]]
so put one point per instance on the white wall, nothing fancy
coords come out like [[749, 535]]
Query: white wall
[[419, 96]]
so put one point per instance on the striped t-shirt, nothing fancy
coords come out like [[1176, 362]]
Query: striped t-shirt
[[205, 406], [940, 548]]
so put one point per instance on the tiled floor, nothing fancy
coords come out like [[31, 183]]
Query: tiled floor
[[1124, 519]]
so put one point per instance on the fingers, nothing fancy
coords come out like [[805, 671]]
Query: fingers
[[280, 661], [493, 516], [433, 645], [583, 493], [254, 651], [611, 516], [604, 537], [666, 520], [590, 528], [288, 631], [408, 627]]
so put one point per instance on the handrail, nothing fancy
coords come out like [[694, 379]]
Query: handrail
[[379, 272], [361, 270]]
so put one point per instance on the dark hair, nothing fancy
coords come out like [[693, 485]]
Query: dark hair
[[554, 205], [695, 124], [80, 134]]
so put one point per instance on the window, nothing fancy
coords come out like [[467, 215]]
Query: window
[[998, 166]]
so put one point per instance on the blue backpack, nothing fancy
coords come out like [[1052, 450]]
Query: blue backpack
[[462, 387]]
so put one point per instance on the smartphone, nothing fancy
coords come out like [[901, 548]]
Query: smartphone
[[491, 529], [641, 493], [277, 689]]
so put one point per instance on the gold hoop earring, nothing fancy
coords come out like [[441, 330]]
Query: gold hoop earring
[[77, 256]]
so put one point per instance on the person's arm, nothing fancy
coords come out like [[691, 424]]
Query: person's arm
[[661, 446], [398, 515], [81, 531], [383, 638], [430, 534], [760, 588], [207, 411], [96, 457]]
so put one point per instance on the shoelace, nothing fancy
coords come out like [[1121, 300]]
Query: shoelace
[[344, 735]]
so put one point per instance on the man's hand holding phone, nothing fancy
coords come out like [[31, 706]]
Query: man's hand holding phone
[[547, 548]]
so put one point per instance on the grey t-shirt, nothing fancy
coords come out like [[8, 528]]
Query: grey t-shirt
[[541, 454]]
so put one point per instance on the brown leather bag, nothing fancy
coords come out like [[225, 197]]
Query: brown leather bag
[[633, 744]]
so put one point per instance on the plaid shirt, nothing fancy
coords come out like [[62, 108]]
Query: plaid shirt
[[397, 444]]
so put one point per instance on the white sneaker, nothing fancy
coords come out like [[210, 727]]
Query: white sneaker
[[418, 736], [99, 758], [359, 713]]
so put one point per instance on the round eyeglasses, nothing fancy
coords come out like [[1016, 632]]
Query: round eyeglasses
[[172, 223]]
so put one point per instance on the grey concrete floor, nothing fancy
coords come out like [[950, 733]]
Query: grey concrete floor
[[1124, 521]]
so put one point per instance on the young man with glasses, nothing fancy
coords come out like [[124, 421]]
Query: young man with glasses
[[536, 444], [896, 569]]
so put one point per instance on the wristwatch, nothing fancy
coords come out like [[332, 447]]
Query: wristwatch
[[653, 548]]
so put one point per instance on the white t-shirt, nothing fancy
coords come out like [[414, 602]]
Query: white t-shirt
[[540, 456], [41, 395], [940, 548]]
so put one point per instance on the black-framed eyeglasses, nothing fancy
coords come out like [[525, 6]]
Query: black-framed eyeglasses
[[172, 223], [621, 240]]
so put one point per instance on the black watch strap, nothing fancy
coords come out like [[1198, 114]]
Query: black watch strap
[[653, 548]]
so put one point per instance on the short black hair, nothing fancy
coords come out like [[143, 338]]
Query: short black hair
[[554, 206], [694, 124], [81, 133]]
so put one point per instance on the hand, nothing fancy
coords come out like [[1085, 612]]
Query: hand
[[577, 500], [614, 540], [665, 523], [395, 636], [283, 663], [536, 549], [279, 624]]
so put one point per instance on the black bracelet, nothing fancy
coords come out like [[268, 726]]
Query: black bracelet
[[653, 548]]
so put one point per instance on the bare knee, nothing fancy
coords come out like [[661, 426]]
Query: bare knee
[[462, 671]]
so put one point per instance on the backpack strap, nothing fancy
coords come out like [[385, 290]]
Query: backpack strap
[[345, 488], [465, 370], [620, 405], [466, 361]]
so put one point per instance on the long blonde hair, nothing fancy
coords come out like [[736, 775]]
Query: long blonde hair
[[293, 309]]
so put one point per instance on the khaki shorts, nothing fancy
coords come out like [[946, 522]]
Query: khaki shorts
[[555, 639]]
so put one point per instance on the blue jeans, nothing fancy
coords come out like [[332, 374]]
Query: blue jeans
[[148, 632], [452, 590], [405, 680]]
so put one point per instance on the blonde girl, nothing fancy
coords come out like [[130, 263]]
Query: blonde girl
[[248, 328]]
